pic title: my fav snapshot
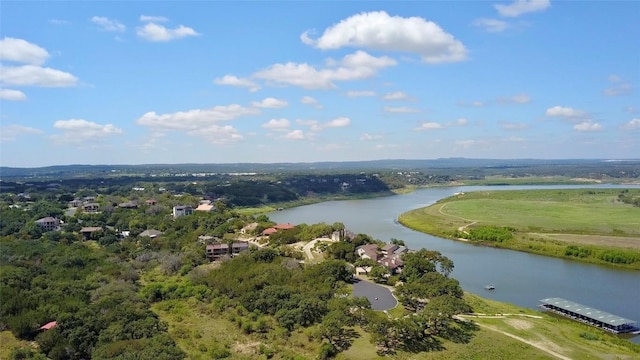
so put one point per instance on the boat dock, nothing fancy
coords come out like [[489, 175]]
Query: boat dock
[[589, 316]]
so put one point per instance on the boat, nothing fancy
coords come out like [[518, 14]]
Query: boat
[[490, 287]]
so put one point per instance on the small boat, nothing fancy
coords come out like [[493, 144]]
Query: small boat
[[490, 287]]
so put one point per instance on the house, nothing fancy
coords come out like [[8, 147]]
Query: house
[[342, 235], [206, 207], [150, 202], [393, 262], [389, 249], [269, 231], [152, 233], [91, 207], [247, 229], [48, 326], [181, 210], [128, 205], [218, 250], [87, 231], [286, 226], [76, 203], [48, 223], [368, 251]]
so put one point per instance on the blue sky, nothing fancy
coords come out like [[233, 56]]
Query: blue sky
[[119, 82]]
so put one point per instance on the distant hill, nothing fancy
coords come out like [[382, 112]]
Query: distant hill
[[66, 171]]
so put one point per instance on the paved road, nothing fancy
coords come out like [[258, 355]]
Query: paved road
[[380, 297]]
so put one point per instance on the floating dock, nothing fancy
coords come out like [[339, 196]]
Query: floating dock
[[590, 316]]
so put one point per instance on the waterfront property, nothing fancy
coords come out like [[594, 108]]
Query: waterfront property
[[588, 315]]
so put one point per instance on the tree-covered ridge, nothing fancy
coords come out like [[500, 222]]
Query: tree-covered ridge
[[90, 294]]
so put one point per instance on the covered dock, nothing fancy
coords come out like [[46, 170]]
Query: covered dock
[[588, 315]]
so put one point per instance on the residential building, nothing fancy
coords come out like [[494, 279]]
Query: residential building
[[128, 205], [152, 233], [219, 250], [206, 207], [91, 207], [48, 223], [182, 210], [87, 231]]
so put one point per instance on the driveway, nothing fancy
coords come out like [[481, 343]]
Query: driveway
[[380, 297]]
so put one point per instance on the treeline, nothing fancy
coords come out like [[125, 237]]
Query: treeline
[[487, 233], [613, 256], [628, 198]]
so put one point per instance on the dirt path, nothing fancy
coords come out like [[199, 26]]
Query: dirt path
[[461, 228], [536, 345]]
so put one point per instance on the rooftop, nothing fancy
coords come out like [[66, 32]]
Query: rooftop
[[591, 313]]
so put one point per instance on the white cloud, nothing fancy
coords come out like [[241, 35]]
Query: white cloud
[[491, 25], [200, 122], [565, 112], [217, 134], [356, 66], [195, 119], [308, 100], [235, 81], [377, 30], [587, 126], [337, 122], [19, 50], [398, 95], [80, 131], [315, 126], [151, 18], [11, 132], [360, 93], [12, 95], [519, 7], [400, 109], [271, 103], [33, 75], [618, 87], [157, 33], [277, 124], [370, 137], [107, 24], [429, 126], [295, 135], [633, 124]]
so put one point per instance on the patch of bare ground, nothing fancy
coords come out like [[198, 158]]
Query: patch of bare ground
[[598, 240], [519, 324], [546, 345], [250, 348]]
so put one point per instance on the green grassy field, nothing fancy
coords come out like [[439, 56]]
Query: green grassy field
[[545, 221]]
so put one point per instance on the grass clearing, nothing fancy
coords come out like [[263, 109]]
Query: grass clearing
[[546, 222], [8, 342], [563, 336]]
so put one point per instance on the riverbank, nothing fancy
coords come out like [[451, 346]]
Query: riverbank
[[576, 224]]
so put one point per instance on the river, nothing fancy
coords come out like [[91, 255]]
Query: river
[[520, 278]]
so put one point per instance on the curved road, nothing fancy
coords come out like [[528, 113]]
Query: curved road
[[380, 297]]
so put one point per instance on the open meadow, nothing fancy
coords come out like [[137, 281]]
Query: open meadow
[[593, 225]]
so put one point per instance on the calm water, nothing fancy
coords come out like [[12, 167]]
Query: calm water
[[520, 278]]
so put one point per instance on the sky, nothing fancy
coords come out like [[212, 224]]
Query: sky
[[125, 82]]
